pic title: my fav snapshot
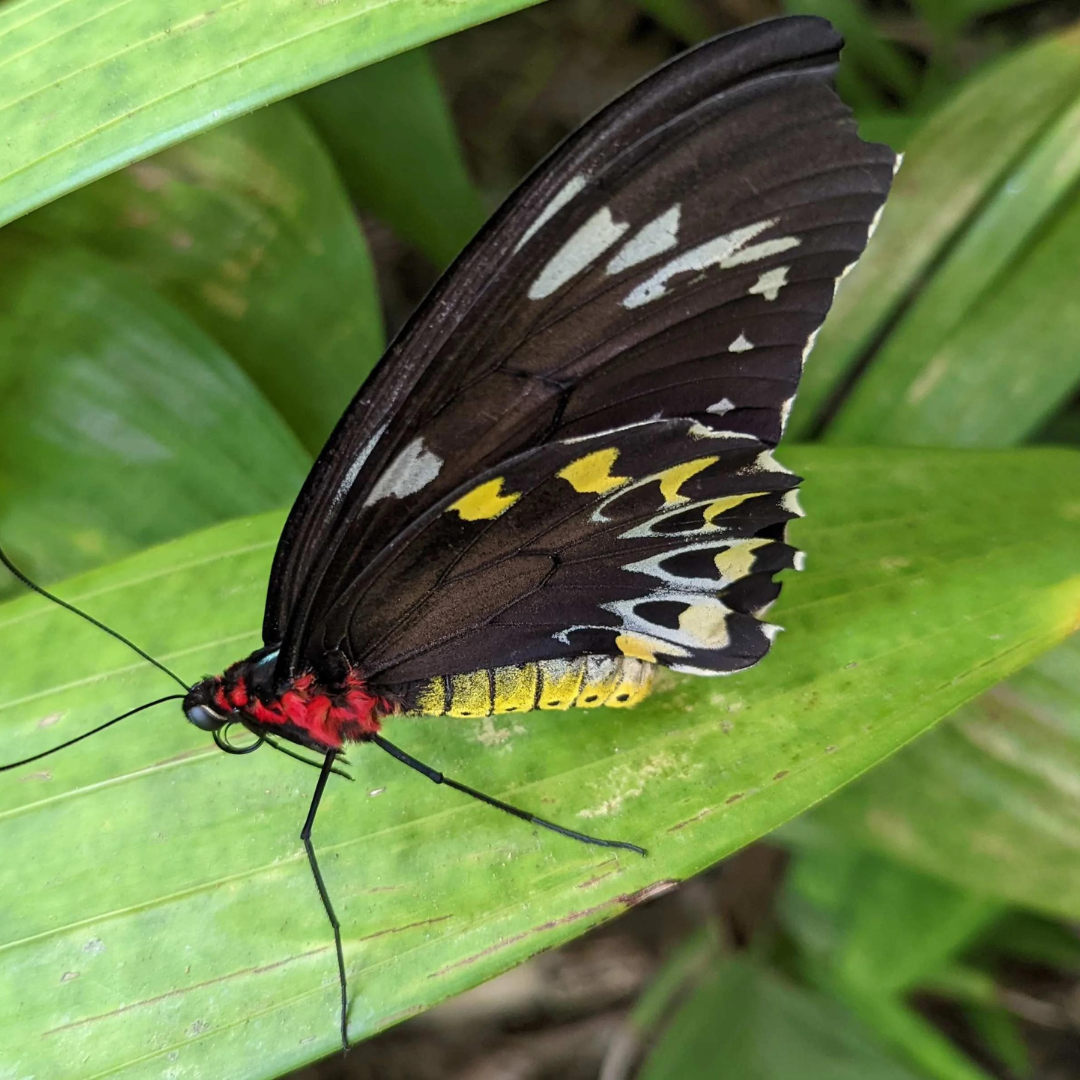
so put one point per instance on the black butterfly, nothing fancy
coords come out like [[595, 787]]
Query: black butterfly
[[561, 474]]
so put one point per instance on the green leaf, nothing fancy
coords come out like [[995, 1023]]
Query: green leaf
[[894, 928], [393, 139], [746, 1023], [964, 156], [248, 230], [121, 423], [158, 907], [985, 353], [915, 1037], [991, 800], [1001, 1035], [91, 88]]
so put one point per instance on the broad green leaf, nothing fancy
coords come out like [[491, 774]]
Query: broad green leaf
[[893, 927], [121, 423], [159, 911], [963, 157], [869, 931], [393, 139], [986, 351], [912, 1035], [248, 230], [746, 1023], [990, 800], [91, 87]]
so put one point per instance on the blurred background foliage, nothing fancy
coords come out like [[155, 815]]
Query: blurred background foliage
[[225, 297]]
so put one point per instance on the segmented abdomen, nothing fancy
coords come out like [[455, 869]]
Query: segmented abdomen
[[584, 682]]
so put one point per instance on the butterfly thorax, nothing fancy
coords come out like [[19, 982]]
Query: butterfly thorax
[[322, 714]]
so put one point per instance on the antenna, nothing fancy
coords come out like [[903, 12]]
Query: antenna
[[92, 731], [94, 622]]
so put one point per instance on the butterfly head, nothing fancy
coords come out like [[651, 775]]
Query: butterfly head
[[202, 708]]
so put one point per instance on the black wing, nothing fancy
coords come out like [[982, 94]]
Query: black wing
[[671, 260]]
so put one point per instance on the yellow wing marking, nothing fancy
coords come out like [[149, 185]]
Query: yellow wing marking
[[592, 473], [705, 625], [644, 647], [729, 502], [485, 502], [738, 560], [672, 479]]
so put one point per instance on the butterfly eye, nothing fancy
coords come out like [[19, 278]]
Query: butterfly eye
[[202, 716]]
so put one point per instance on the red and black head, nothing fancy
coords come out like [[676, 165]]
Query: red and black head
[[319, 713]]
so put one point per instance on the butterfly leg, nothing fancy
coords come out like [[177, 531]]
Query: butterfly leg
[[305, 835], [438, 778]]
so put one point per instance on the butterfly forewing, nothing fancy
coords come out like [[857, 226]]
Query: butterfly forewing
[[650, 292]]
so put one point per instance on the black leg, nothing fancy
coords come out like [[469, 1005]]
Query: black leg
[[305, 835], [438, 778]]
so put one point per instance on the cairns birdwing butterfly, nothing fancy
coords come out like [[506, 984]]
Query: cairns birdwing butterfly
[[560, 475]]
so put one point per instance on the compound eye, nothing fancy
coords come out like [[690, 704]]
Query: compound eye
[[202, 716]]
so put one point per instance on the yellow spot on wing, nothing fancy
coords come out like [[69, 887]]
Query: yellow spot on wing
[[672, 479], [592, 473], [737, 561], [485, 502], [637, 647], [706, 625], [644, 647], [729, 502]]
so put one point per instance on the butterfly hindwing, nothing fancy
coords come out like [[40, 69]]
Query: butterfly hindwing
[[662, 273], [656, 541]]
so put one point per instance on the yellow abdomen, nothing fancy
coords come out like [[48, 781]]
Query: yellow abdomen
[[584, 682]]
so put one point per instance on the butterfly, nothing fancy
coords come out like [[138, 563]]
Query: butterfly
[[561, 475]]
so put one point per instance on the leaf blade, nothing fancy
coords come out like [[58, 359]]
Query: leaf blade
[[696, 772], [137, 78]]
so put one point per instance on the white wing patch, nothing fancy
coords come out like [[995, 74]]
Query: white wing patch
[[724, 251], [660, 235], [724, 405], [767, 463], [413, 469], [741, 344], [770, 283], [579, 252], [574, 186]]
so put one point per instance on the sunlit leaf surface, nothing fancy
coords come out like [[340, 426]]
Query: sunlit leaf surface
[[90, 86], [1004, 774], [159, 912]]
